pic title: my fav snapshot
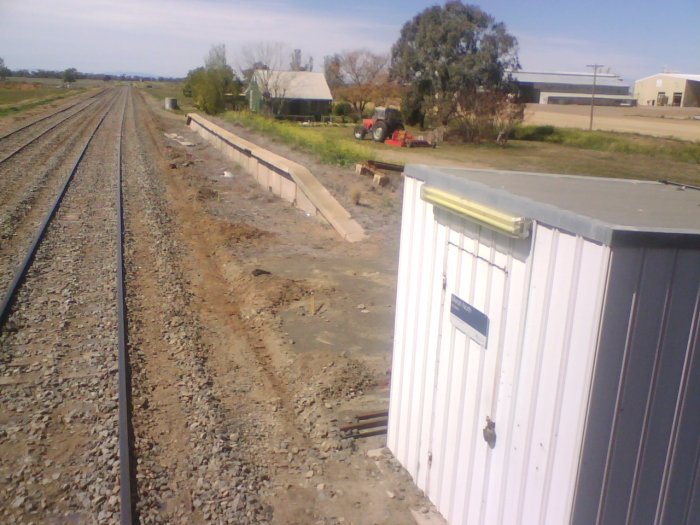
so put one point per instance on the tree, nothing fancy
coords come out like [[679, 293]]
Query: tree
[[332, 70], [4, 71], [362, 74], [210, 85], [265, 60], [296, 64], [451, 58], [70, 75], [267, 56]]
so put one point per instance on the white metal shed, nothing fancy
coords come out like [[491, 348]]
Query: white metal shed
[[546, 365]]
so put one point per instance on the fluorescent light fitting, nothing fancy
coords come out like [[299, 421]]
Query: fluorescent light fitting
[[506, 223]]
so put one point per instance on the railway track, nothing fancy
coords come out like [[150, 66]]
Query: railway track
[[16, 150], [74, 446], [65, 451], [29, 182], [49, 116]]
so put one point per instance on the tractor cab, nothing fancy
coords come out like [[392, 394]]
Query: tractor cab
[[383, 123]]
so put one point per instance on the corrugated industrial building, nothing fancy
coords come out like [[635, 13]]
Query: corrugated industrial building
[[572, 88], [546, 365], [668, 89]]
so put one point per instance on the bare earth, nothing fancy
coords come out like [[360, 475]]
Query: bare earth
[[659, 122], [309, 344], [255, 332]]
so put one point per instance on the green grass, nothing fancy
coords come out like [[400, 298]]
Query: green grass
[[333, 145], [678, 150], [635, 156], [161, 90], [18, 100]]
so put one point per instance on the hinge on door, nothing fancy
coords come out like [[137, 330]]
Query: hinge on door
[[444, 281]]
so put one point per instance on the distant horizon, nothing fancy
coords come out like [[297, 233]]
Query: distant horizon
[[167, 77], [171, 37]]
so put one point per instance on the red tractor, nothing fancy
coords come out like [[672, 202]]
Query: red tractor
[[386, 126], [383, 124]]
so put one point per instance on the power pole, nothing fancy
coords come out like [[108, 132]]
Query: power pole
[[595, 76]]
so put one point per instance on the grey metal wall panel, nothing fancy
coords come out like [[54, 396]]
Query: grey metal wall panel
[[681, 489], [644, 411], [623, 278]]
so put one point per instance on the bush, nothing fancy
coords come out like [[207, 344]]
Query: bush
[[210, 85], [487, 116], [342, 109], [538, 133]]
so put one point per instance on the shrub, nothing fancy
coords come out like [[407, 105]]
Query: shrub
[[538, 133], [487, 116], [342, 109]]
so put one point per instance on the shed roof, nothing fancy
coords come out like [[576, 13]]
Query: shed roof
[[304, 85], [579, 95], [601, 209], [682, 76], [578, 79]]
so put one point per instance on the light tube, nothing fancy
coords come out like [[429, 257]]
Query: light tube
[[506, 223]]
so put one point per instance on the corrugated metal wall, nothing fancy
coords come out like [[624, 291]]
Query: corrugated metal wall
[[641, 460], [543, 298]]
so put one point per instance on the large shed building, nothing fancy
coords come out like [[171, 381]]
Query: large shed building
[[668, 89], [301, 94], [573, 88]]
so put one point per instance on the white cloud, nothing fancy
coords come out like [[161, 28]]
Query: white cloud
[[168, 37]]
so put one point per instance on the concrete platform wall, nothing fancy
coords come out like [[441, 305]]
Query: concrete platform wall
[[288, 180]]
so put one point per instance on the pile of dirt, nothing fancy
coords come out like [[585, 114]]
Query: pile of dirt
[[259, 291], [323, 392], [344, 381], [204, 194], [243, 232]]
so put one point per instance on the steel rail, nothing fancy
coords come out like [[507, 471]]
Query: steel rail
[[126, 503], [30, 124], [22, 147], [21, 272]]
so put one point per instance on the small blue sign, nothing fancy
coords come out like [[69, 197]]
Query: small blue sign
[[470, 321]]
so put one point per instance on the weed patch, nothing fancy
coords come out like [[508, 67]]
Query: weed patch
[[612, 142], [329, 149]]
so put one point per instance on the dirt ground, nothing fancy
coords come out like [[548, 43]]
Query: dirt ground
[[656, 121], [320, 317]]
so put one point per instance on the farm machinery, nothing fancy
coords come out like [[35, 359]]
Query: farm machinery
[[387, 126]]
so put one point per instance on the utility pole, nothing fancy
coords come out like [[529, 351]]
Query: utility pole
[[595, 76]]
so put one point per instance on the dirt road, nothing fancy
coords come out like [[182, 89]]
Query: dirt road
[[659, 122]]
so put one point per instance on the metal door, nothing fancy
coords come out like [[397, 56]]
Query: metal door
[[463, 423]]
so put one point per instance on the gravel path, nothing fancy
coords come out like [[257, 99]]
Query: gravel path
[[58, 408], [194, 463]]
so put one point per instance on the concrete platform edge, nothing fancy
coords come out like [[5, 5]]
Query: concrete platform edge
[[270, 169]]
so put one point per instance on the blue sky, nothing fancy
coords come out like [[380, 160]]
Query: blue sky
[[169, 37]]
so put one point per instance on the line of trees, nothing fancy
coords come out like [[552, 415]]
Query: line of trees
[[450, 68], [6, 72]]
